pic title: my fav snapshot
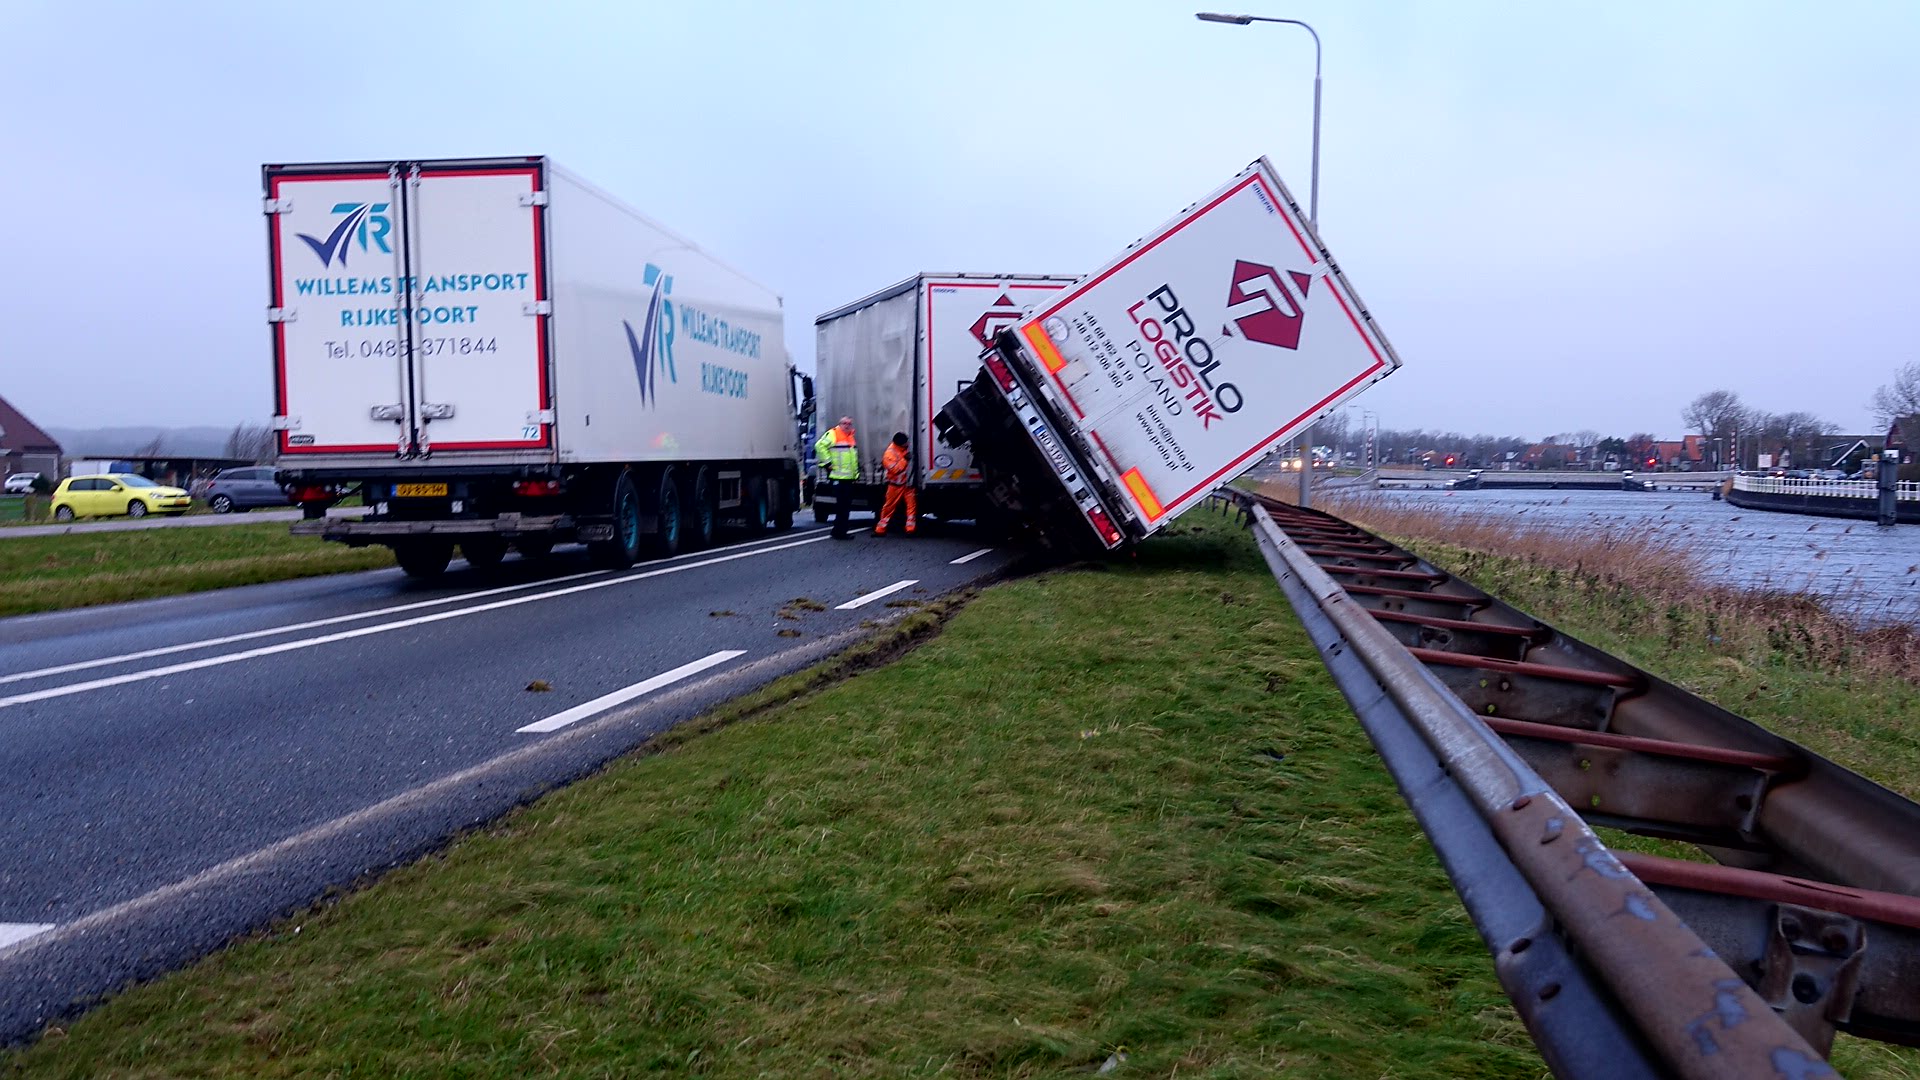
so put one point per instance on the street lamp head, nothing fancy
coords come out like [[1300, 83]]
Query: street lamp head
[[1214, 16]]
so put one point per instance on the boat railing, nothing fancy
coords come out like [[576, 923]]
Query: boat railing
[[1793, 485]]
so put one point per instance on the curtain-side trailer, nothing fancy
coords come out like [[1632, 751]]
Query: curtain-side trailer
[[890, 359], [493, 352]]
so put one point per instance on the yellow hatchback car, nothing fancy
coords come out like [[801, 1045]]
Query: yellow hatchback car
[[112, 494]]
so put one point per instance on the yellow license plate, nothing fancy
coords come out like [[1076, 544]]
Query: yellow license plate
[[419, 491]]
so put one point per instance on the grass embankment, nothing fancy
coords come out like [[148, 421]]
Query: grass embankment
[[1102, 810], [45, 573]]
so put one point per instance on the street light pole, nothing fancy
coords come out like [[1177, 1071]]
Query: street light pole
[[1313, 193], [1313, 182]]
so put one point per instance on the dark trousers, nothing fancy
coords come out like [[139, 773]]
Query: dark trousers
[[842, 493]]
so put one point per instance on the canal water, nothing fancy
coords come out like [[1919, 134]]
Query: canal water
[[1858, 567]]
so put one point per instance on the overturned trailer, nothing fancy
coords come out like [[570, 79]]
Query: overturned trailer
[[1124, 399]]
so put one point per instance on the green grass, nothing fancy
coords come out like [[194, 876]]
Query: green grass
[[1102, 810], [44, 573]]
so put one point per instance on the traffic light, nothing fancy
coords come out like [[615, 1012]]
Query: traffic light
[[1652, 462], [1449, 461]]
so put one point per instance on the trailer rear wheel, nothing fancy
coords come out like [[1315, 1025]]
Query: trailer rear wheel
[[784, 491], [424, 558], [621, 551], [703, 510], [670, 519], [757, 511], [483, 553]]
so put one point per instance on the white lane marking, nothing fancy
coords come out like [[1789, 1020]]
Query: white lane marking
[[344, 635], [969, 558], [290, 628], [861, 601], [607, 701], [12, 932]]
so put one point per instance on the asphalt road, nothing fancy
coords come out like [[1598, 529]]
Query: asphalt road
[[181, 771]]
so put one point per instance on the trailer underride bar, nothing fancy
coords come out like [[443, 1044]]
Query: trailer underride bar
[[1509, 739]]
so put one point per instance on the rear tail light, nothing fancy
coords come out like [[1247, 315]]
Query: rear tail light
[[536, 487], [1001, 373], [1104, 526], [312, 493]]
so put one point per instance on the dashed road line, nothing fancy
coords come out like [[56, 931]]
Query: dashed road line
[[862, 601], [964, 559], [625, 694], [12, 933]]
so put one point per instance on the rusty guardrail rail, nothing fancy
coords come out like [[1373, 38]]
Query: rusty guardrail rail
[[1508, 738]]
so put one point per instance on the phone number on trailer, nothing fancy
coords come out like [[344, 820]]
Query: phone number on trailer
[[444, 346]]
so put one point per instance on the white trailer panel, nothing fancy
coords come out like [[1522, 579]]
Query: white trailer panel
[[1216, 338], [665, 353], [502, 310]]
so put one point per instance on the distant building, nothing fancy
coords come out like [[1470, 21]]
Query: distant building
[[24, 448], [1683, 455]]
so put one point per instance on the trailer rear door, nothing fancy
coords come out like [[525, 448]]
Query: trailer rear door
[[960, 317], [409, 307]]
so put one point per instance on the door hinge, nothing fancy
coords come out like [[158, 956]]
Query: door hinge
[[533, 198], [537, 307], [388, 412], [282, 314], [430, 411], [276, 206], [286, 423], [540, 416]]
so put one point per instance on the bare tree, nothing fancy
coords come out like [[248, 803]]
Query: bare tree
[[250, 442], [1715, 413], [1900, 398], [154, 447]]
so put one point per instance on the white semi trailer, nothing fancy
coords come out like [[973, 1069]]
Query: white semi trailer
[[891, 359], [495, 353]]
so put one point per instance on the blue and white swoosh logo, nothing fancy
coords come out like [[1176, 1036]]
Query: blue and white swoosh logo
[[652, 347], [336, 243]]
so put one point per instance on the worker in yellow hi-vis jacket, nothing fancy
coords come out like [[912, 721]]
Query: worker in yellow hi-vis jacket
[[838, 455]]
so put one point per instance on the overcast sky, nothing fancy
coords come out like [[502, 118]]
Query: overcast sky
[[1564, 216]]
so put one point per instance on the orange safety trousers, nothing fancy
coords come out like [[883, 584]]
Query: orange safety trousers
[[895, 493]]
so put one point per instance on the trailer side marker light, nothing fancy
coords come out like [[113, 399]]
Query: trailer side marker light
[[1149, 503], [1043, 347]]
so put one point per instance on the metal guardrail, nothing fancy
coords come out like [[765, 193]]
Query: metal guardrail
[[1908, 490], [1496, 727]]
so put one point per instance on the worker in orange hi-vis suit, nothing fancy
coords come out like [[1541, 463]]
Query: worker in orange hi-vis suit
[[898, 467]]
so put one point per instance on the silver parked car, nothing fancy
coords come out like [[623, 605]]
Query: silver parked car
[[243, 489]]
